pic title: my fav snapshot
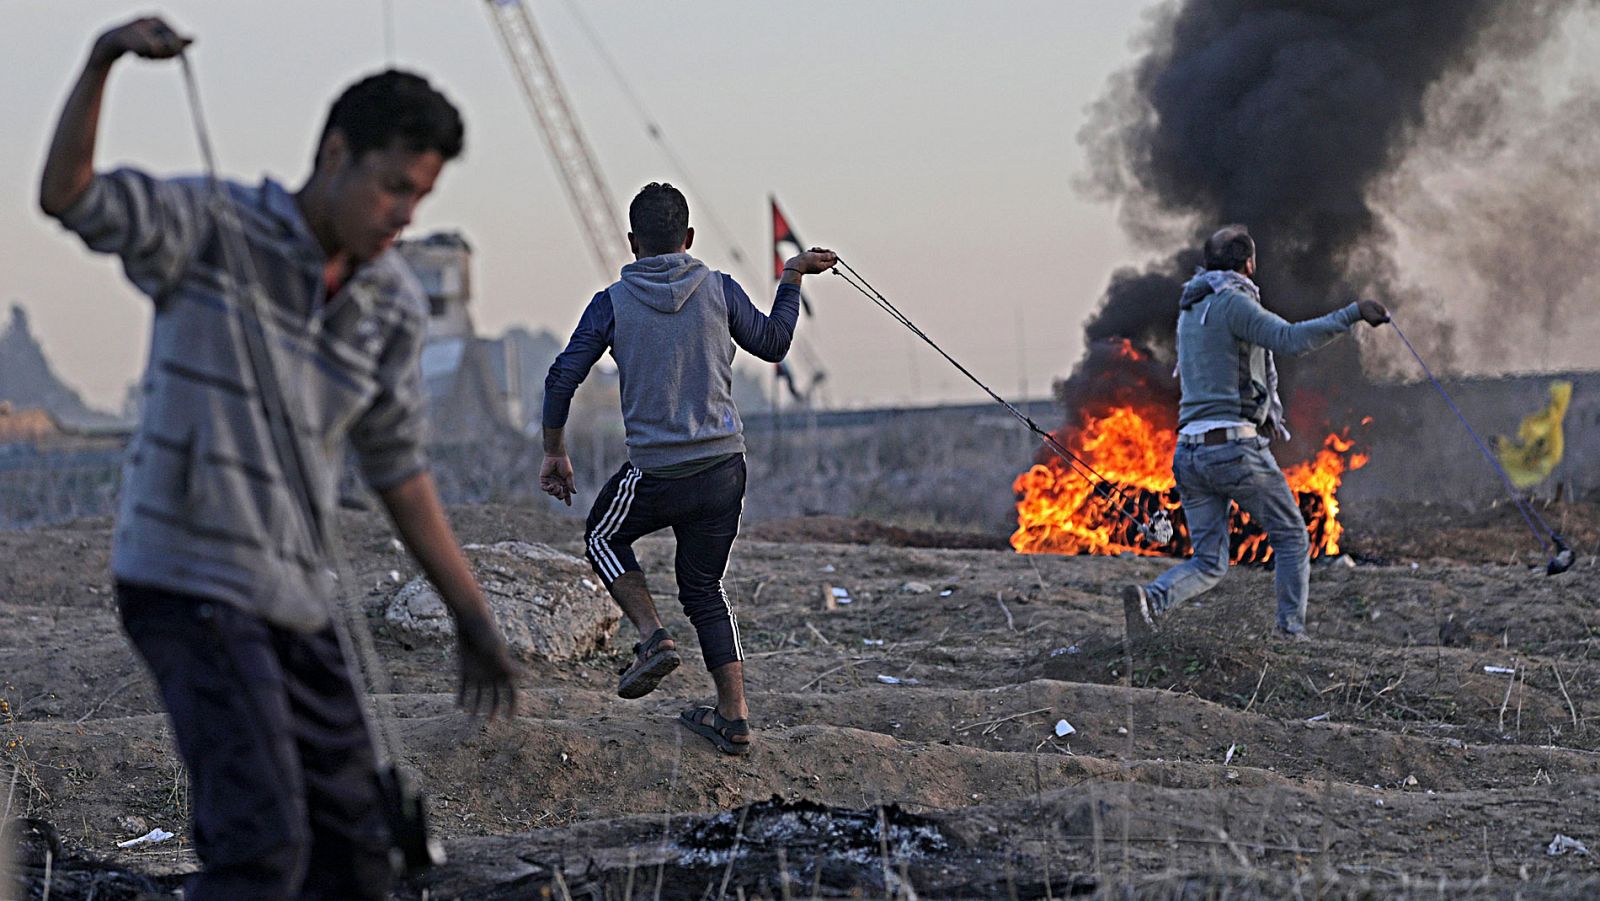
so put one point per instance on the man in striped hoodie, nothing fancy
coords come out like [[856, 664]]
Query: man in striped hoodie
[[285, 330]]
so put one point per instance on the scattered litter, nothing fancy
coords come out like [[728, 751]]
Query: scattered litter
[[1561, 844], [1502, 670], [892, 680], [394, 576], [947, 592], [1122, 730], [1379, 802], [1064, 729], [829, 568], [398, 547], [1228, 757], [1410, 781], [916, 588], [135, 824], [564, 757], [872, 642], [833, 597], [1346, 561], [1414, 566], [160, 835], [1319, 717], [589, 585]]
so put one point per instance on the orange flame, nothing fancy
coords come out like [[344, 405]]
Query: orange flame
[[1058, 511]]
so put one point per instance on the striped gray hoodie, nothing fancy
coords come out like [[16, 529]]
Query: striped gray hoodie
[[205, 507]]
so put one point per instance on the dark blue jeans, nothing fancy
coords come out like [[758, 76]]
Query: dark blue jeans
[[703, 512], [280, 765], [1244, 472]]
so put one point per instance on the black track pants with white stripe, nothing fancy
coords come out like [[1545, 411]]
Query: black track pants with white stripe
[[703, 512]]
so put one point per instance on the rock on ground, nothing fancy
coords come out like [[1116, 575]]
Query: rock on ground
[[548, 603]]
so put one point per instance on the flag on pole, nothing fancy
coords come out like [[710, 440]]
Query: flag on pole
[[1536, 451], [784, 246]]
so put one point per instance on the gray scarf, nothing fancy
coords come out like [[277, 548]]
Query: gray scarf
[[1219, 279]]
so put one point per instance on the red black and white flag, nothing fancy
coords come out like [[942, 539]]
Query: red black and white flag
[[785, 245]]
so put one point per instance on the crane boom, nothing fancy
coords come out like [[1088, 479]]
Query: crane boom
[[580, 174]]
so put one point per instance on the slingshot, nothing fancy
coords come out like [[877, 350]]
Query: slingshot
[[1561, 556], [1157, 528], [415, 848]]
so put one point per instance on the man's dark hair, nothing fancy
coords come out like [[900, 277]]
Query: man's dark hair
[[395, 106], [1230, 248], [659, 218]]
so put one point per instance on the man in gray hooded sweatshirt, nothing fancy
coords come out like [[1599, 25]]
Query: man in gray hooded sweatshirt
[[1226, 342], [671, 324]]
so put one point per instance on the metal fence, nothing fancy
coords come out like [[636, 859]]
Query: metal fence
[[41, 487]]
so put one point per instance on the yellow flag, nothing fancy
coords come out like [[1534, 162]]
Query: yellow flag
[[1535, 452]]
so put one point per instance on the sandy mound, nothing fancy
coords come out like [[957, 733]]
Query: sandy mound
[[1391, 755]]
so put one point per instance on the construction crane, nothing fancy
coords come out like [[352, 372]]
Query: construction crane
[[580, 174]]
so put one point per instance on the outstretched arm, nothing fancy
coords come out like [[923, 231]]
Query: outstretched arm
[[486, 684], [768, 337], [1254, 323], [69, 166]]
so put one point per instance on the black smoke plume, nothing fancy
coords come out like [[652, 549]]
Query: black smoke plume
[[1283, 115]]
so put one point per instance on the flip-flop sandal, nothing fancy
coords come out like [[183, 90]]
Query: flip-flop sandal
[[651, 663], [720, 731]]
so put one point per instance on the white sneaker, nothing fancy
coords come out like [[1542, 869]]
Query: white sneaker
[[1140, 622]]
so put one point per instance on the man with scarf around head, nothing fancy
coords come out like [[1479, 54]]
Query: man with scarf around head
[[671, 324], [1226, 343]]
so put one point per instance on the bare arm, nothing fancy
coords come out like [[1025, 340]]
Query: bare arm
[[555, 473], [69, 166], [487, 672]]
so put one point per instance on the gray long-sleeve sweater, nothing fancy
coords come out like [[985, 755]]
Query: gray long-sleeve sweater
[[206, 507], [1224, 336]]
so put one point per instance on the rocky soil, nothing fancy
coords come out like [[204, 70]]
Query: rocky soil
[[970, 725]]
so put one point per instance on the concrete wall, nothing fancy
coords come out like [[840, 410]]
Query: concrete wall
[[1421, 452], [946, 466], [953, 465]]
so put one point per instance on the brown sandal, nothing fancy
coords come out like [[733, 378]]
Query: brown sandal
[[720, 731], [651, 663]]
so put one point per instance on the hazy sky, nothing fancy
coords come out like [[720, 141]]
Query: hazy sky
[[933, 144]]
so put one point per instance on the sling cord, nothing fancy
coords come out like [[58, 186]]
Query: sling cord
[[287, 449], [1154, 529], [1524, 506]]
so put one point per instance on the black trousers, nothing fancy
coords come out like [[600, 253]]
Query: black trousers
[[280, 764], [703, 512]]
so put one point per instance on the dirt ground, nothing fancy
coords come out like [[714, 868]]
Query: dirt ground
[[988, 696]]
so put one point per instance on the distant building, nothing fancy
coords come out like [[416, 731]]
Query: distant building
[[29, 426], [467, 400]]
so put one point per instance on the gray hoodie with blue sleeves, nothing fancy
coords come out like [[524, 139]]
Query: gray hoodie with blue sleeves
[[1226, 340], [671, 324]]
